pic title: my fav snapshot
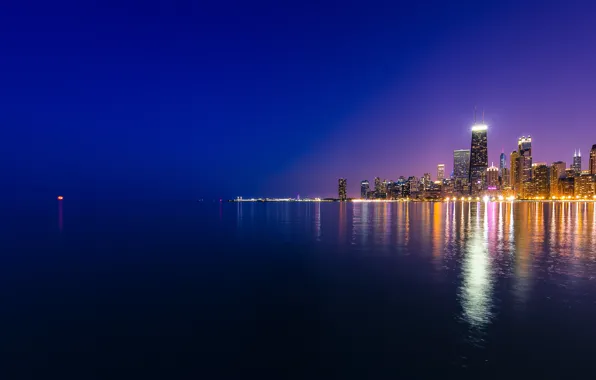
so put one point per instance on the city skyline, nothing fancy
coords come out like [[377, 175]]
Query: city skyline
[[222, 100], [523, 156]]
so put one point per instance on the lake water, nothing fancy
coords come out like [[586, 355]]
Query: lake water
[[305, 290]]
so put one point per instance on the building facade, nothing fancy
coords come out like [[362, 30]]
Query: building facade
[[514, 175], [478, 159], [540, 181], [440, 172], [364, 189], [524, 165], [557, 170], [342, 187], [584, 186], [593, 160], [492, 178], [577, 163]]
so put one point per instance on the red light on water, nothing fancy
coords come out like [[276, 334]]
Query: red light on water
[[60, 197]]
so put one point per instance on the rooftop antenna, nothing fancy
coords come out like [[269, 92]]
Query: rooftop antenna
[[579, 152], [483, 116]]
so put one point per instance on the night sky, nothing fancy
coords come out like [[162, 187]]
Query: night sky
[[190, 100]]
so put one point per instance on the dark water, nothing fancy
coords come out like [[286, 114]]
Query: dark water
[[313, 290]]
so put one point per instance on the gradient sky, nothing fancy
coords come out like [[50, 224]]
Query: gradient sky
[[190, 100]]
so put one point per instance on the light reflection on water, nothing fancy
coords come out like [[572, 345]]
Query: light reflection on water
[[478, 243]]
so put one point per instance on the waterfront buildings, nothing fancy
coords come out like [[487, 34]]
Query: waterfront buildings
[[478, 159], [557, 170], [342, 185], [540, 187], [524, 165], [514, 176], [583, 186], [461, 167], [492, 178], [440, 172], [593, 160], [364, 189], [577, 162]]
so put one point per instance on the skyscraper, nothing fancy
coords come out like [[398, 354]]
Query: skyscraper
[[492, 177], [524, 164], [506, 180], [342, 189], [593, 160], [426, 182], [541, 183], [478, 158], [557, 170], [364, 189], [502, 165], [461, 163], [513, 163], [440, 172], [378, 187], [577, 162]]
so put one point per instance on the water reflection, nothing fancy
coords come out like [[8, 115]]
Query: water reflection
[[476, 286], [473, 247]]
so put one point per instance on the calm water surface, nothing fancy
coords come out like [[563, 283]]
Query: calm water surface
[[313, 290]]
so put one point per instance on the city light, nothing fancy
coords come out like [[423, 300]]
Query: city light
[[479, 127], [60, 197], [485, 198]]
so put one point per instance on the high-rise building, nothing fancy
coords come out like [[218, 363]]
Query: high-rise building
[[440, 172], [492, 177], [342, 184], [426, 181], [506, 180], [577, 163], [514, 175], [502, 165], [540, 181], [478, 158], [378, 187], [461, 167], [364, 189], [593, 160], [461, 163], [584, 186], [524, 164], [557, 170]]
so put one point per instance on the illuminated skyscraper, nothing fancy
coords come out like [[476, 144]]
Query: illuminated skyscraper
[[506, 179], [461, 164], [513, 163], [378, 187], [524, 164], [364, 189], [342, 189], [577, 163], [557, 170], [584, 186], [426, 181], [502, 165], [440, 172], [540, 181], [492, 177], [478, 158], [593, 160]]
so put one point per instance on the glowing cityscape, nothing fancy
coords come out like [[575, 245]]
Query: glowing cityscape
[[473, 180]]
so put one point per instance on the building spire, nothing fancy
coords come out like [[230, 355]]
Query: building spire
[[483, 116], [579, 152], [575, 153]]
